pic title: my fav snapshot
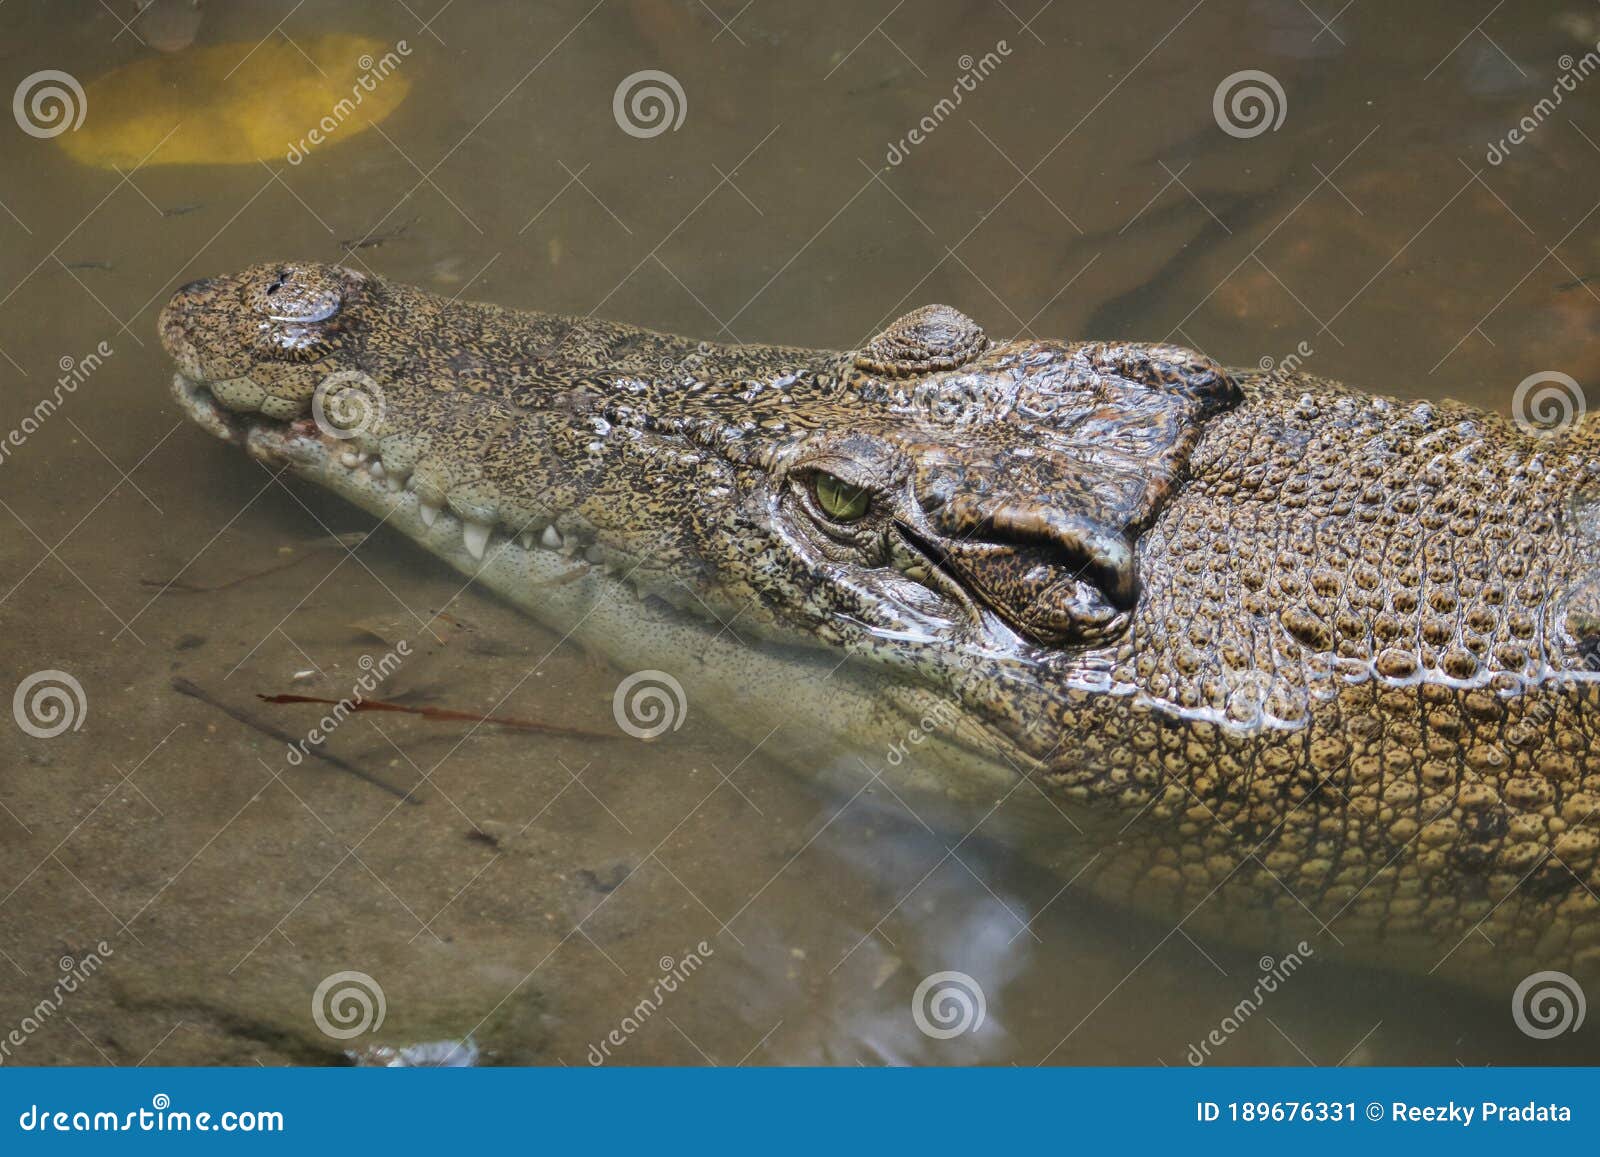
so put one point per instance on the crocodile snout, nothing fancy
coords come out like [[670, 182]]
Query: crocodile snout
[[262, 340], [175, 326]]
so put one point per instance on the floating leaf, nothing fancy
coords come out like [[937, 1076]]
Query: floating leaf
[[239, 103]]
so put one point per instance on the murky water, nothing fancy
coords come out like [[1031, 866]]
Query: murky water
[[541, 887]]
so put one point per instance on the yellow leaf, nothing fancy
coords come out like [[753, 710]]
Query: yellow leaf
[[235, 104]]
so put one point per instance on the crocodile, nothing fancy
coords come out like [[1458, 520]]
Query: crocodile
[[1252, 652]]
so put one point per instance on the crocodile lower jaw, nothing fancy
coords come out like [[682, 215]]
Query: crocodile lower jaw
[[549, 577], [304, 448]]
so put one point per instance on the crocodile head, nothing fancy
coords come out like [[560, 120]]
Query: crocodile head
[[933, 501], [1295, 648]]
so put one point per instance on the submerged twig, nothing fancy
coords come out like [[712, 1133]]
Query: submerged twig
[[443, 713], [186, 687], [176, 585], [376, 240]]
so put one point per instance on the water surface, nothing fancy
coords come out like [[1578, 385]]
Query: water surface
[[541, 888]]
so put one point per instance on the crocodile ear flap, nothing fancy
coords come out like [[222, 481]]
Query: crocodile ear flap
[[935, 337], [1173, 370]]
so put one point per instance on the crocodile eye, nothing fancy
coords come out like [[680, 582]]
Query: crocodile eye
[[297, 295], [839, 499]]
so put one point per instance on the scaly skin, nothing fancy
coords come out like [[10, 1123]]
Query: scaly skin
[[1260, 654]]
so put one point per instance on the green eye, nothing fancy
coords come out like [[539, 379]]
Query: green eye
[[840, 500]]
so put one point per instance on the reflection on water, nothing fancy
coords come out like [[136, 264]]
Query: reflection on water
[[540, 888]]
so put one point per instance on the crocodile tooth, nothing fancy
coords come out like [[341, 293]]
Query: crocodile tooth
[[427, 511], [477, 536], [394, 484], [349, 458], [376, 468], [551, 537], [525, 540]]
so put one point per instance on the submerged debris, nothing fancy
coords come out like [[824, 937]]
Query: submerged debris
[[433, 1054], [187, 687], [179, 585], [167, 25], [239, 103], [444, 713]]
